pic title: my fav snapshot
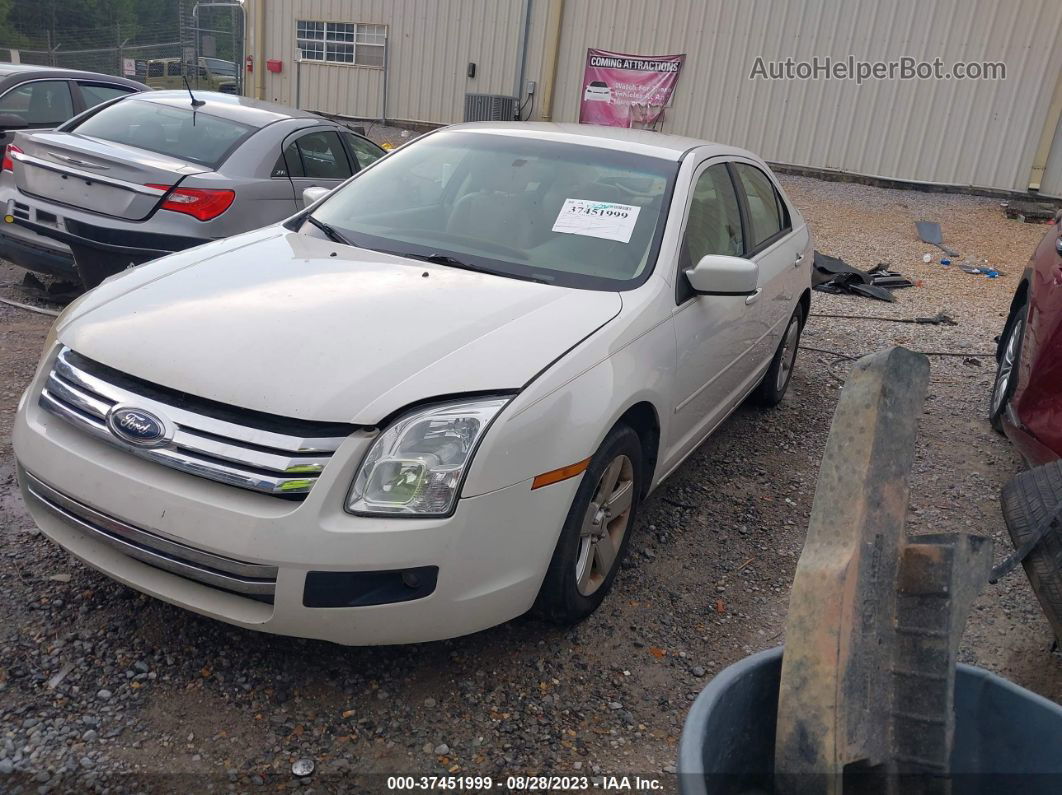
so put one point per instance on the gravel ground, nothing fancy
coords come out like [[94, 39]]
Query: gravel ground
[[104, 689]]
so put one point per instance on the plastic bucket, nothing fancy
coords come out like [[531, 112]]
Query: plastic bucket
[[1006, 738]]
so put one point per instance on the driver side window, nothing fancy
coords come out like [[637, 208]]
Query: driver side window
[[714, 224]]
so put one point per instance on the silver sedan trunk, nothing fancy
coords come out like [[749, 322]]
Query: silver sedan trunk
[[152, 174]]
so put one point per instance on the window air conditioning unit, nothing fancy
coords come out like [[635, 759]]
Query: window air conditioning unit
[[491, 107]]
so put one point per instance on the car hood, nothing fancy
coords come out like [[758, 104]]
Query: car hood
[[300, 327]]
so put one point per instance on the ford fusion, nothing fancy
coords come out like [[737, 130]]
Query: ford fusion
[[430, 401]]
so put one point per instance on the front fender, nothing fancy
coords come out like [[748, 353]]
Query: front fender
[[562, 417]]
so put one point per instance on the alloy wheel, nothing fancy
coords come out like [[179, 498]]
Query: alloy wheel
[[789, 352], [1007, 362], [605, 525]]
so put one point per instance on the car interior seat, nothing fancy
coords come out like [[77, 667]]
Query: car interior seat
[[495, 208], [46, 105]]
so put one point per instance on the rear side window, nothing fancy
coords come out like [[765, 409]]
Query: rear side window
[[767, 214], [365, 151], [185, 134], [39, 103], [322, 156], [288, 164], [96, 93]]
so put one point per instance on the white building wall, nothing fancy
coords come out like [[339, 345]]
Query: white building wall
[[970, 133], [430, 45], [979, 133]]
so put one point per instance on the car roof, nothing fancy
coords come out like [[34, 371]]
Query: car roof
[[252, 112], [643, 142], [11, 70]]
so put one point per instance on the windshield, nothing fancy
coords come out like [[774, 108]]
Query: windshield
[[577, 216], [185, 134]]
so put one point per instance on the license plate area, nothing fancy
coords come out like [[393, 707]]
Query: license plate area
[[83, 192]]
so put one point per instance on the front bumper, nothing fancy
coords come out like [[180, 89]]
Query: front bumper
[[491, 555], [1032, 450]]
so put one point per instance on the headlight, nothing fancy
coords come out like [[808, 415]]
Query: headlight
[[417, 465]]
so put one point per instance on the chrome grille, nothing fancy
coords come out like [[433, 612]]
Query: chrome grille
[[249, 579], [223, 446]]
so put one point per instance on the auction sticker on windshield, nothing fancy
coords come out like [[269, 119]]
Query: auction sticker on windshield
[[607, 220]]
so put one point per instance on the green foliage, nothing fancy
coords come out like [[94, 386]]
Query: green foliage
[[78, 24]]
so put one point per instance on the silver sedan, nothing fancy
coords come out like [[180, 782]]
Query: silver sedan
[[158, 172]]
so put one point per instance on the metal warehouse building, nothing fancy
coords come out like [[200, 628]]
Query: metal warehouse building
[[416, 60]]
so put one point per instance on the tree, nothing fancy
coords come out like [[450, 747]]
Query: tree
[[84, 24]]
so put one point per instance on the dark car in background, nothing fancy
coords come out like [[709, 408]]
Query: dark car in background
[[153, 173], [1027, 392], [43, 97]]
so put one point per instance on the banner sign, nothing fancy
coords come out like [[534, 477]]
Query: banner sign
[[627, 90]]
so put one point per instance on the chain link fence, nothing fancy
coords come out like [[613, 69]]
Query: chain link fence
[[129, 60], [203, 41]]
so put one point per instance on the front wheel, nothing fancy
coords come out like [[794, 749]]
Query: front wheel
[[776, 380], [1007, 369], [594, 539]]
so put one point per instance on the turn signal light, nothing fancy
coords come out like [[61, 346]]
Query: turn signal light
[[200, 203], [557, 475], [9, 163]]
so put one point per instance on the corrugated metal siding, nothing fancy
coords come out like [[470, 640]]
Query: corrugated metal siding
[[1051, 185], [979, 133], [430, 46], [961, 132]]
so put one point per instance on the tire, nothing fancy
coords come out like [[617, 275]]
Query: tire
[[1010, 344], [565, 597], [775, 381], [1028, 500]]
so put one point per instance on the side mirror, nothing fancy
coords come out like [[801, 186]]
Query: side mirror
[[1058, 218], [717, 274], [313, 195], [11, 121]]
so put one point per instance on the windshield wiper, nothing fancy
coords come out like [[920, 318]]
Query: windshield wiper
[[453, 262], [330, 233], [450, 262]]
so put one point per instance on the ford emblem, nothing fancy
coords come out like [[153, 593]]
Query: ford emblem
[[136, 426]]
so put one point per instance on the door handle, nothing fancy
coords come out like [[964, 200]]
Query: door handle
[[799, 259], [754, 297]]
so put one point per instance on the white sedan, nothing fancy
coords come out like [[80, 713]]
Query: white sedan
[[431, 401]]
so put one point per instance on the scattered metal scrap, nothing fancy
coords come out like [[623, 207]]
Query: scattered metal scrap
[[833, 275], [29, 308], [929, 232], [1030, 212], [875, 617], [53, 292], [939, 319], [855, 356]]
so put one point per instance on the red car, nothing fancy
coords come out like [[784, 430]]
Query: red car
[[1027, 395]]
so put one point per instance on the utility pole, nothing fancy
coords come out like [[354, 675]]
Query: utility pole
[[51, 37]]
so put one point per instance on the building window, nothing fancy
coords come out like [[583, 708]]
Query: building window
[[341, 42]]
